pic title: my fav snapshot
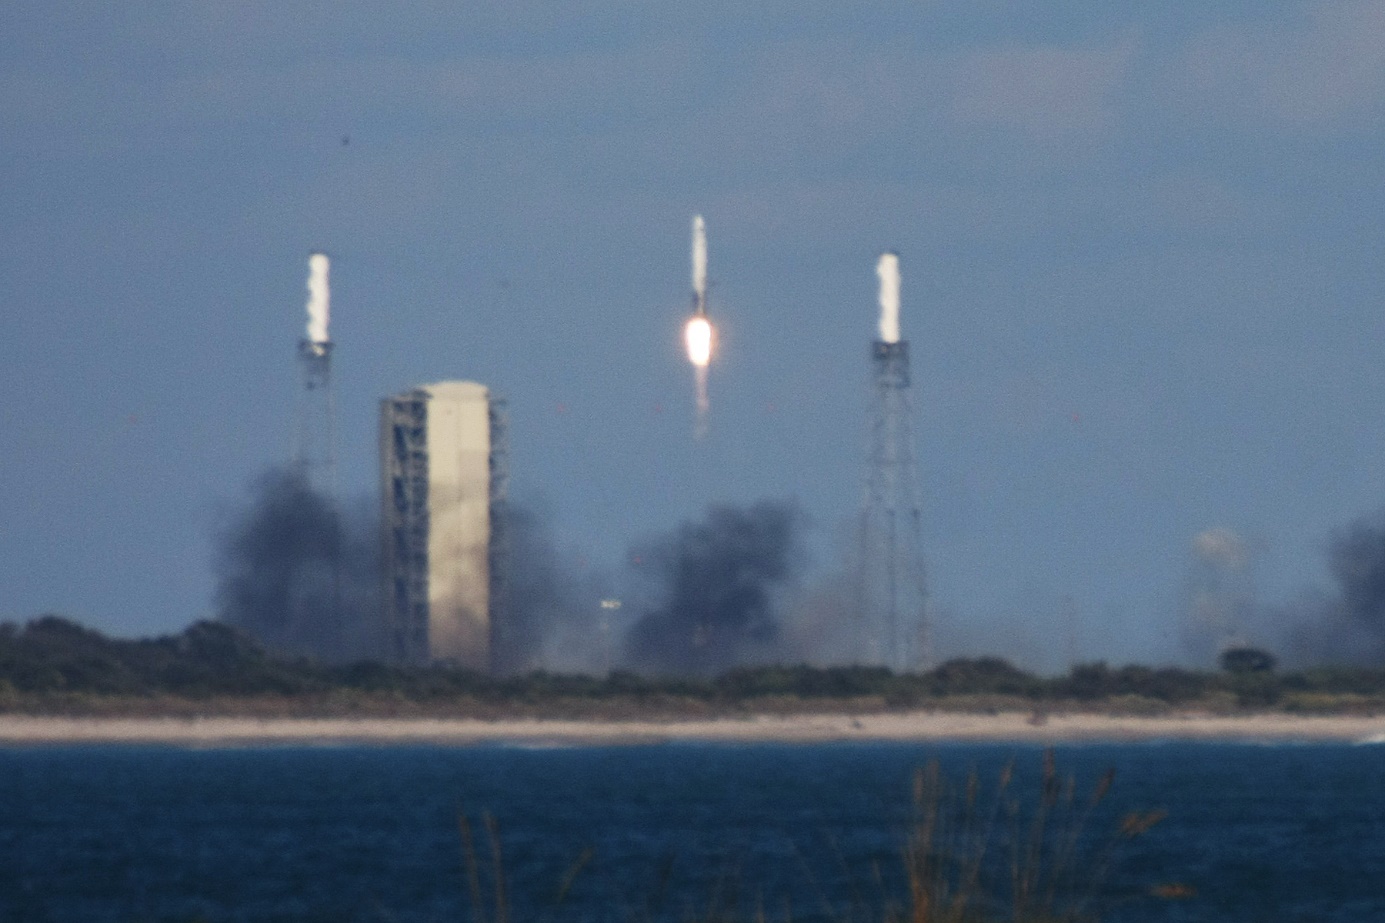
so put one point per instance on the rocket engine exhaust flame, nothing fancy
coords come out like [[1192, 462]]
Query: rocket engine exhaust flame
[[703, 404], [888, 271], [319, 301], [698, 335]]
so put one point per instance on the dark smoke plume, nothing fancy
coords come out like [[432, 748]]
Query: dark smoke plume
[[716, 583], [1351, 627], [299, 578], [1358, 564], [1347, 625]]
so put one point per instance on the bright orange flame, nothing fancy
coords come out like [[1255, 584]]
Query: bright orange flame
[[698, 335]]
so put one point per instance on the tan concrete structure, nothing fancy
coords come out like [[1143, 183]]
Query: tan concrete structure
[[438, 487]]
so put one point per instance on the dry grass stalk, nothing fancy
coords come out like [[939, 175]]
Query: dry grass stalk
[[951, 859], [969, 857]]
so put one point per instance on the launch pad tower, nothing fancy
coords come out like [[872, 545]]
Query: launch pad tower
[[893, 605], [444, 479]]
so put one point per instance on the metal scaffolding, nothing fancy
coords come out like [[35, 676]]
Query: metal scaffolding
[[893, 599], [404, 530], [498, 554], [315, 437]]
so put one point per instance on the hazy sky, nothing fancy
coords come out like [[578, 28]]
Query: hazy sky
[[1141, 247]]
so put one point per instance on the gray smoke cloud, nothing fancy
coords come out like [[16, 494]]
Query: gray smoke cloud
[[298, 576], [1357, 559], [712, 594], [1349, 627], [715, 588], [1344, 624]]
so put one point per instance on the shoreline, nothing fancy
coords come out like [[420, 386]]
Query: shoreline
[[920, 727]]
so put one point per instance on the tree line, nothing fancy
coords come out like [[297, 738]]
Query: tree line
[[53, 656]]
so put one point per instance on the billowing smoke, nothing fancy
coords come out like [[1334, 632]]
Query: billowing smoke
[[1358, 564], [319, 298], [300, 578], [888, 271], [1350, 626], [1343, 625], [715, 586]]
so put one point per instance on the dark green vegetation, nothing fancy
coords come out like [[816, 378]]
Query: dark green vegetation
[[55, 665], [1246, 660]]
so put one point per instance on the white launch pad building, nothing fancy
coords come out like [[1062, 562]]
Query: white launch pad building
[[443, 477]]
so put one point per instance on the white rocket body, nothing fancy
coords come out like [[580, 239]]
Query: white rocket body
[[699, 265], [697, 334]]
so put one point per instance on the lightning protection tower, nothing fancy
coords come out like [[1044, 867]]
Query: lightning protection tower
[[894, 625], [314, 450]]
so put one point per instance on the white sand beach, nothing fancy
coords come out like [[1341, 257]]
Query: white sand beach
[[1016, 727]]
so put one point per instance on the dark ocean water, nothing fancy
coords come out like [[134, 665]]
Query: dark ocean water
[[96, 834]]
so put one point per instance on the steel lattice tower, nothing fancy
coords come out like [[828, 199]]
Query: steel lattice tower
[[314, 447], [894, 627], [499, 552]]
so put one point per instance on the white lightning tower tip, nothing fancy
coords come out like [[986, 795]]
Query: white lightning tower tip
[[319, 299], [888, 271]]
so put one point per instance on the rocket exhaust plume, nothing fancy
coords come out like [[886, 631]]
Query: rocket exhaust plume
[[888, 271], [319, 302], [697, 334]]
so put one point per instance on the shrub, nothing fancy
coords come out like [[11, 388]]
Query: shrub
[[1246, 660]]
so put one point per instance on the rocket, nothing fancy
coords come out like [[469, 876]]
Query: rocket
[[699, 266], [697, 333]]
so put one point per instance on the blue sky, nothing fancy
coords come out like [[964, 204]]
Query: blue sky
[[1140, 246]]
